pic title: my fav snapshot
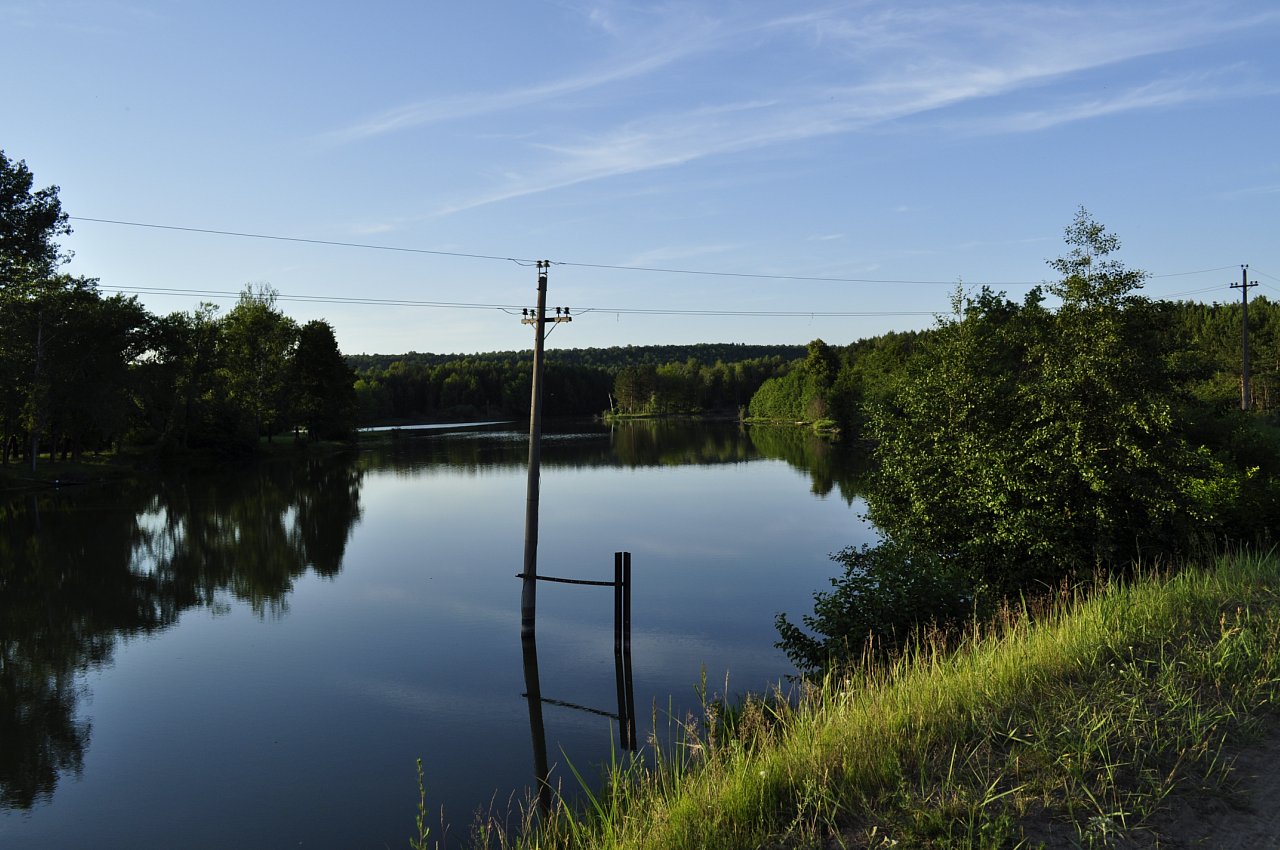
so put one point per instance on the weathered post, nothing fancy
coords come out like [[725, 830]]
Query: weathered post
[[626, 651], [619, 668], [622, 649]]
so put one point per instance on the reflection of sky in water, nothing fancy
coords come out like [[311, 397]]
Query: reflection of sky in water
[[237, 730]]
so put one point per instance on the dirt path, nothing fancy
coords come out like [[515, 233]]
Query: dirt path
[[1245, 816]]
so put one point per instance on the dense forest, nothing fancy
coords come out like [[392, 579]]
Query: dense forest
[[631, 380]]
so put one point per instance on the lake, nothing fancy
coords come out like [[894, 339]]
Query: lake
[[256, 656]]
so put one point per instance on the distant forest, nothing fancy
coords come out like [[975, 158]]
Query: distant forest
[[651, 379], [833, 385]]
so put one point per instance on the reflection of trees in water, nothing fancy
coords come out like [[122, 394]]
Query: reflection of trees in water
[[631, 443], [636, 443], [663, 443], [79, 570], [830, 465]]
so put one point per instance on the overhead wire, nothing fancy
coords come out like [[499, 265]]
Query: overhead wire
[[525, 261], [511, 308], [332, 242]]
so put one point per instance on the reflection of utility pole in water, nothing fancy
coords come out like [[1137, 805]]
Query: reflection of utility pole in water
[[626, 715], [533, 691]]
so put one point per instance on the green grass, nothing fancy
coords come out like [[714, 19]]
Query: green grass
[[1069, 722]]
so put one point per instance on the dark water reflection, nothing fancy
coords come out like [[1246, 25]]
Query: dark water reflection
[[413, 647], [636, 444], [81, 569]]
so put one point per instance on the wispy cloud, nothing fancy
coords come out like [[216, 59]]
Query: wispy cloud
[[1252, 191], [867, 65], [105, 18], [653, 52], [1160, 94]]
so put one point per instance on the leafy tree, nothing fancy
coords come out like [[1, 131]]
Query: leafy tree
[[1025, 447], [66, 357], [885, 594], [803, 394], [1032, 444], [179, 388], [30, 222], [323, 384], [258, 342]]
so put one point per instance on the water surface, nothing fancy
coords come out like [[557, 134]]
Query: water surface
[[255, 657]]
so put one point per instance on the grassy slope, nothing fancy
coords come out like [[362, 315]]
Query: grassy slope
[[1069, 727]]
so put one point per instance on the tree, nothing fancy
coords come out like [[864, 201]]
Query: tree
[[65, 361], [323, 384], [1031, 444], [804, 392], [177, 387], [30, 223], [1026, 447], [258, 342]]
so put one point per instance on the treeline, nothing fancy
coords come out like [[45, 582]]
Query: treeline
[[1022, 448], [631, 380], [612, 358], [1201, 344], [82, 371]]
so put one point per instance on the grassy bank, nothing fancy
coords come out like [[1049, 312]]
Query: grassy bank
[[1076, 724]]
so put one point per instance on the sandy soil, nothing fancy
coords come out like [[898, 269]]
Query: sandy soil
[[1243, 817]]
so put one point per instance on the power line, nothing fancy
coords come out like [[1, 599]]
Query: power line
[[323, 299], [1194, 291], [459, 305], [241, 235], [572, 264]]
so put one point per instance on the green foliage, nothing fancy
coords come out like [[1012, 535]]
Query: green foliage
[[609, 359], [884, 597], [30, 222], [1033, 445], [804, 393], [1022, 447], [257, 342], [323, 384]]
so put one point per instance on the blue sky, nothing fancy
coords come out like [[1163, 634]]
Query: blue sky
[[890, 148]]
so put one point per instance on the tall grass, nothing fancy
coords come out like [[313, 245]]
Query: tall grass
[[1072, 719]]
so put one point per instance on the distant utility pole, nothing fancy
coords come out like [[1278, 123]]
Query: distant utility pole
[[539, 320], [1246, 397]]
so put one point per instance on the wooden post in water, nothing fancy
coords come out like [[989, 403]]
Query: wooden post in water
[[622, 649], [626, 649]]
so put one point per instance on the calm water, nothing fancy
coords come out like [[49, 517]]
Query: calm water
[[256, 657]]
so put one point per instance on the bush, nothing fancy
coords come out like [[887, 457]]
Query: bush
[[884, 597]]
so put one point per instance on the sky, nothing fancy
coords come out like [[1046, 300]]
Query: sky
[[754, 172]]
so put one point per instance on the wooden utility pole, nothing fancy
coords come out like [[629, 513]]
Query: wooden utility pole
[[539, 320], [1246, 396]]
